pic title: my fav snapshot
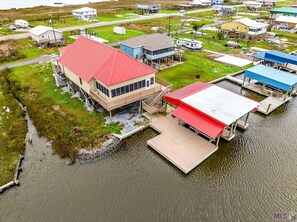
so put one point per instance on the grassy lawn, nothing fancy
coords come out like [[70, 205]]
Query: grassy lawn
[[116, 15], [197, 63], [106, 32], [29, 50], [61, 23], [57, 115], [4, 31], [13, 130]]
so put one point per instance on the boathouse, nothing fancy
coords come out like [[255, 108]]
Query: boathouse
[[152, 49], [277, 59], [284, 11], [204, 113], [104, 75], [277, 85]]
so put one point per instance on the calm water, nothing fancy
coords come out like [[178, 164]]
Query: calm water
[[8, 4], [249, 179]]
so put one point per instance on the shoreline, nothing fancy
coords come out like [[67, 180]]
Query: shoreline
[[56, 4]]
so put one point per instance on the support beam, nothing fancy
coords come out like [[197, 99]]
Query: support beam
[[246, 119], [110, 115], [218, 140]]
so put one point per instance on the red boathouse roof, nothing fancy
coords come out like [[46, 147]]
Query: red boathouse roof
[[90, 59], [209, 108]]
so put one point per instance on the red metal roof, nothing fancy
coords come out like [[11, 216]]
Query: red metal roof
[[176, 96], [199, 121], [64, 49], [90, 59]]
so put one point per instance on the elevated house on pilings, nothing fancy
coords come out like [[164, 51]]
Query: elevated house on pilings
[[105, 76], [148, 8], [153, 49], [46, 36]]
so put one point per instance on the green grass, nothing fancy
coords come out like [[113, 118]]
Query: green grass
[[30, 50], [12, 131], [61, 23], [197, 64], [116, 15], [56, 115], [106, 32]]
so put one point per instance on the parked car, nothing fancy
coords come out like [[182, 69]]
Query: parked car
[[11, 28], [274, 41], [182, 11]]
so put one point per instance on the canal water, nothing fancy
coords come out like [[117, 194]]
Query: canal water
[[252, 178]]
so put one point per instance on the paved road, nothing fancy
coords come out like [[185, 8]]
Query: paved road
[[99, 24], [32, 61]]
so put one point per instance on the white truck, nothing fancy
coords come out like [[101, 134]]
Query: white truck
[[190, 44]]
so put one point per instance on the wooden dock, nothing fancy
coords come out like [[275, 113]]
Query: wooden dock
[[179, 145], [272, 102]]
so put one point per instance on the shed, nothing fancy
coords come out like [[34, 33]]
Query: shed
[[119, 30]]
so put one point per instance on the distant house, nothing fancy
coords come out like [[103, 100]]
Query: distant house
[[284, 11], [201, 3], [243, 28], [43, 35], [85, 14], [153, 48], [267, 3], [104, 75], [224, 10], [217, 2], [148, 8], [252, 5], [286, 21]]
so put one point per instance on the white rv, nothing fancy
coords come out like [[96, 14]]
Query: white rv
[[201, 3], [188, 43], [21, 23]]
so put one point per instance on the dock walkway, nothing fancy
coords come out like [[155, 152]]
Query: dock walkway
[[179, 145], [272, 102]]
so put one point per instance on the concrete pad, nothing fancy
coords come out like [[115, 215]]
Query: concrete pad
[[233, 60]]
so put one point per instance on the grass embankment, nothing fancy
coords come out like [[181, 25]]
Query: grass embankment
[[13, 130], [197, 64], [56, 115], [22, 50]]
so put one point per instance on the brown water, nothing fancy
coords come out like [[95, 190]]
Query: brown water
[[249, 179]]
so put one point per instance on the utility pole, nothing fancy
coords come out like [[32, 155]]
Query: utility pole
[[169, 25], [51, 21]]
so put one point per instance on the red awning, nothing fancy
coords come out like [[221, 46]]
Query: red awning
[[199, 121]]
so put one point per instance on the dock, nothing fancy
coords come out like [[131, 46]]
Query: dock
[[179, 145], [234, 79], [272, 102]]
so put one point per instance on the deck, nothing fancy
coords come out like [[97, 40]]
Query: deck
[[179, 145], [272, 102]]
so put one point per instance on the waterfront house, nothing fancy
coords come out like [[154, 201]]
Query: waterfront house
[[284, 11], [267, 3], [224, 10], [148, 8], [252, 5], [243, 28], [85, 14], [152, 48], [106, 76], [43, 35], [201, 3], [286, 21]]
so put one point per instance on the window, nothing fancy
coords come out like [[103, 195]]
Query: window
[[80, 81], [103, 89], [152, 80], [131, 87]]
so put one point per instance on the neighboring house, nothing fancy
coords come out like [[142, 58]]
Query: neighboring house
[[148, 8], [267, 3], [105, 75], [286, 21], [284, 11], [224, 10], [85, 14], [217, 2], [243, 28], [43, 35], [201, 3], [151, 48], [21, 23], [252, 5]]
